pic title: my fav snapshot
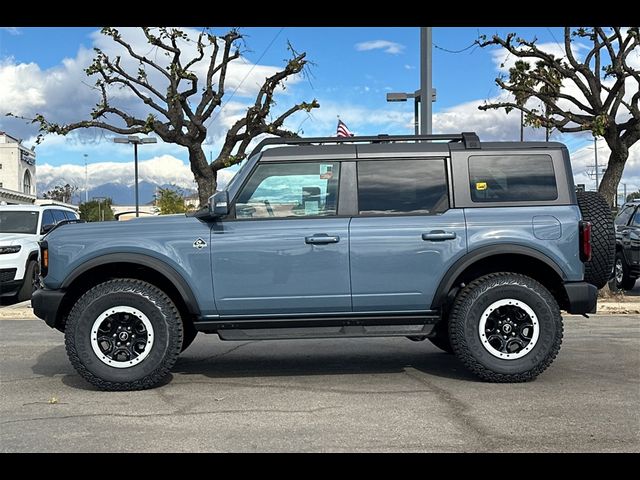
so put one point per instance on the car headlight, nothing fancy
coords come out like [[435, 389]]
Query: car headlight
[[10, 249]]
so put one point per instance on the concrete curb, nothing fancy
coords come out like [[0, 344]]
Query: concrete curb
[[23, 311]]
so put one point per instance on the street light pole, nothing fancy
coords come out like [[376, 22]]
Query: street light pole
[[595, 150], [135, 141], [426, 69], [86, 180]]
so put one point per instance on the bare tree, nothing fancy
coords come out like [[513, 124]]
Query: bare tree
[[607, 89], [61, 193], [174, 118]]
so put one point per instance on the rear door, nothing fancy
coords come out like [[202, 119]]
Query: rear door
[[405, 236]]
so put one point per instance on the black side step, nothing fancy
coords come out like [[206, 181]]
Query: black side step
[[325, 332]]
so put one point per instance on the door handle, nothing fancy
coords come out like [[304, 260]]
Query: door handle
[[321, 239], [438, 235]]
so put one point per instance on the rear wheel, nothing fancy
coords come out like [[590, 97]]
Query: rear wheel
[[595, 209], [505, 327], [623, 280], [124, 334]]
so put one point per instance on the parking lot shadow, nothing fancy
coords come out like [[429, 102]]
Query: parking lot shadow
[[335, 362]]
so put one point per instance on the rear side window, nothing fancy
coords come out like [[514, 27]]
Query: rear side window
[[512, 178], [69, 215], [402, 187]]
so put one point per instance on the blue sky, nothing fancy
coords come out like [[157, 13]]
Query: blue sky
[[347, 80]]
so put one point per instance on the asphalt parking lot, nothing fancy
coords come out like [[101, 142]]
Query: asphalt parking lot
[[326, 395]]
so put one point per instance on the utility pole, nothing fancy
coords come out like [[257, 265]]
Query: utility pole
[[426, 70], [86, 180]]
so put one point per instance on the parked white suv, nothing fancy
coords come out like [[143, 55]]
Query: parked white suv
[[21, 226]]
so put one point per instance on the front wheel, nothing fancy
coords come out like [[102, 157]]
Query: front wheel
[[506, 327], [124, 334]]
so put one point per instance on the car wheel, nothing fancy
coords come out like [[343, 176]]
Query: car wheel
[[595, 209], [622, 279], [28, 283], [124, 334], [506, 327], [440, 337]]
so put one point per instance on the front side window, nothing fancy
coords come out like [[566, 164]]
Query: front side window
[[295, 189], [388, 187], [512, 178]]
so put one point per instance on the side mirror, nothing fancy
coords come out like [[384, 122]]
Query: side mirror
[[46, 228], [219, 204]]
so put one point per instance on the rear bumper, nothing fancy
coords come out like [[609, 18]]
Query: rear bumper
[[46, 304], [583, 297]]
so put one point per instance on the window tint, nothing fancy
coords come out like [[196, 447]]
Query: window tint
[[47, 218], [636, 219], [402, 186], [512, 178], [625, 214], [290, 190], [58, 215]]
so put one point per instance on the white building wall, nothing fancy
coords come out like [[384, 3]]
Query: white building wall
[[14, 165]]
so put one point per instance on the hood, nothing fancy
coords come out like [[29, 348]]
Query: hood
[[17, 238]]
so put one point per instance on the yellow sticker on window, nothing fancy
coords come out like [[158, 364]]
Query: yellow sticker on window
[[481, 185]]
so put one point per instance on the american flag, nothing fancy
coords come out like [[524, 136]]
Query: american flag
[[342, 130]]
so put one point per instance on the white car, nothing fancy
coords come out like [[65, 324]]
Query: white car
[[21, 226]]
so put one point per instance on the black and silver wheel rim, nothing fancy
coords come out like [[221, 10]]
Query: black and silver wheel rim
[[619, 271], [509, 329], [122, 337]]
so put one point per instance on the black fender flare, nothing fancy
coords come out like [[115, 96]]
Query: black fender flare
[[140, 259], [483, 252]]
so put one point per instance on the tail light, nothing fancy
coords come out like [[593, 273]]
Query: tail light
[[44, 258], [585, 240]]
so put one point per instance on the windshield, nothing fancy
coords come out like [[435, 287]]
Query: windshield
[[18, 222]]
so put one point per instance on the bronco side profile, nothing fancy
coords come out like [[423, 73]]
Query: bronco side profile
[[474, 246]]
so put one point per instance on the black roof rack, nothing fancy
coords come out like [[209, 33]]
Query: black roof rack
[[469, 139]]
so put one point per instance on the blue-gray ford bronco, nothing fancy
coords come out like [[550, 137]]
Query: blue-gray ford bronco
[[475, 246]]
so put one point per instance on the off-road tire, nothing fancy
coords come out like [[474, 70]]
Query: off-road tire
[[594, 209], [160, 311], [464, 322], [441, 337]]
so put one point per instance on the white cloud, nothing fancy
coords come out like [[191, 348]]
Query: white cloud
[[164, 169], [386, 46], [11, 30], [65, 94], [409, 67]]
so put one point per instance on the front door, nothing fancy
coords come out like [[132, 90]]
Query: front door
[[285, 252], [405, 237]]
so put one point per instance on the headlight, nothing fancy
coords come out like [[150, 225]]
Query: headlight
[[10, 249]]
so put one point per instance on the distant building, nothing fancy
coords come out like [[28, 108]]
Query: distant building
[[17, 171]]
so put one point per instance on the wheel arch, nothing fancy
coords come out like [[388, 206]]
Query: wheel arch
[[501, 258], [128, 265]]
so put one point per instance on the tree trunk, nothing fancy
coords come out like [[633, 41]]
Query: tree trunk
[[204, 176], [613, 174]]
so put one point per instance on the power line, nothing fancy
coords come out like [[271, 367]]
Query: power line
[[246, 76], [474, 44]]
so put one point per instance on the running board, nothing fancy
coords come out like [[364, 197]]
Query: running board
[[345, 331], [376, 325]]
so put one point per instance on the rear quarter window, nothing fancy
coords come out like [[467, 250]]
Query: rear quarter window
[[512, 178]]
